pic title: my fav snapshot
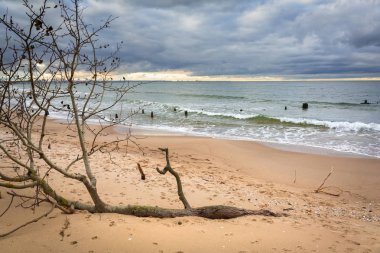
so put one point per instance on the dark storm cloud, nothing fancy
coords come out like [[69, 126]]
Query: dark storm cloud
[[170, 4], [225, 37]]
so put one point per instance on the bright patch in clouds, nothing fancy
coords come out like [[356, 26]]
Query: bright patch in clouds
[[188, 76]]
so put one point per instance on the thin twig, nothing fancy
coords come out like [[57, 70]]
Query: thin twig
[[65, 226], [29, 222], [65, 210], [22, 196], [10, 203], [323, 190], [324, 181]]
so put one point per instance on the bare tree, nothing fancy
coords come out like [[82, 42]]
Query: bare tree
[[41, 65]]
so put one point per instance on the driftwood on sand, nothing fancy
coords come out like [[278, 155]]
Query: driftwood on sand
[[324, 189], [209, 212]]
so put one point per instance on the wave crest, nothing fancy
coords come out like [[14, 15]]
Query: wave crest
[[295, 122]]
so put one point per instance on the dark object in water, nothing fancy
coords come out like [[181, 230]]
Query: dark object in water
[[142, 111], [305, 106], [241, 110], [175, 109], [365, 102], [186, 113], [116, 116], [286, 108], [151, 115]]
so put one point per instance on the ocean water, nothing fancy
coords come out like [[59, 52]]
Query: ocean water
[[335, 120]]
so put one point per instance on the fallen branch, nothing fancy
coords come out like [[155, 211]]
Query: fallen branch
[[209, 212], [29, 222]]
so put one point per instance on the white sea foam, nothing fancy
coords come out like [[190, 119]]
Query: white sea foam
[[339, 125], [232, 115], [346, 126]]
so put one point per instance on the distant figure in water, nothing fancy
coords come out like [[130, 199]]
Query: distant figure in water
[[142, 111], [286, 108], [116, 116], [151, 115], [241, 110], [175, 109], [365, 102], [305, 106], [186, 113]]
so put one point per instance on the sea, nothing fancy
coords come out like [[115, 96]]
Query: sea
[[337, 119]]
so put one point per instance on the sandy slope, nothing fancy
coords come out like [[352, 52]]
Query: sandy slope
[[243, 174]]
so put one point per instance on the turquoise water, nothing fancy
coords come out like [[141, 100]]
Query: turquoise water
[[335, 119]]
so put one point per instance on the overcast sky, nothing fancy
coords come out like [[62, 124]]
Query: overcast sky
[[243, 38]]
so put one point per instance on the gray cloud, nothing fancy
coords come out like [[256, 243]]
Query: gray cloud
[[225, 37]]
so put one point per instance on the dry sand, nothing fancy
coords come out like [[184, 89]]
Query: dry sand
[[238, 173]]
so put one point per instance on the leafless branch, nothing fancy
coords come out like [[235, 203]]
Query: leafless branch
[[29, 222], [6, 209], [324, 180], [167, 168]]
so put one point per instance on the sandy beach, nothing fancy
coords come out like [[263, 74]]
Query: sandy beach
[[214, 171]]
